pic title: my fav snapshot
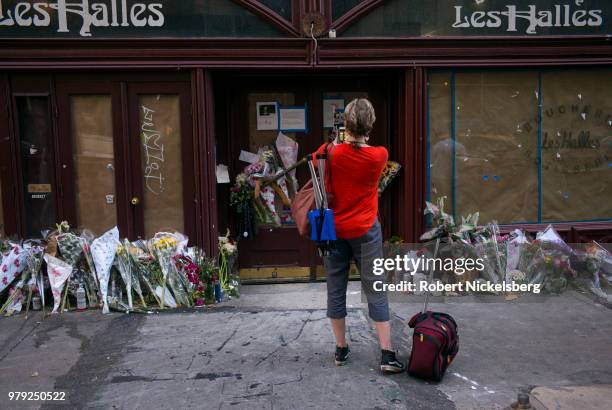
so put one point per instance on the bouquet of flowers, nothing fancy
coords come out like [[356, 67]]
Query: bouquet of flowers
[[147, 270], [164, 247], [91, 279], [556, 269], [241, 199], [59, 272], [594, 267], [34, 251], [13, 268], [71, 251], [125, 270], [228, 253], [103, 250], [201, 272], [391, 169]]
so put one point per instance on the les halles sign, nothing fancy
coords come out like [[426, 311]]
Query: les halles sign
[[180, 18], [572, 14], [110, 13]]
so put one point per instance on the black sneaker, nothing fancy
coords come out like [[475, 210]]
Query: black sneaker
[[390, 364], [342, 354]]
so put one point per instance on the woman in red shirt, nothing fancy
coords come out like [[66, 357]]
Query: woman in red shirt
[[355, 170]]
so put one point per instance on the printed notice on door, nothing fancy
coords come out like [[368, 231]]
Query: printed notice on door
[[292, 119]]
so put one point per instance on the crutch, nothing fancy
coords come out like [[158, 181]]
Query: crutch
[[315, 184], [321, 162]]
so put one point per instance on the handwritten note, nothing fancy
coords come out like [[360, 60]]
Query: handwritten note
[[153, 149]]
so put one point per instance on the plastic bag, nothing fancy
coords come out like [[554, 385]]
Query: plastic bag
[[287, 150]]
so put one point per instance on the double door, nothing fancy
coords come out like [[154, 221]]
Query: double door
[[101, 152], [278, 251]]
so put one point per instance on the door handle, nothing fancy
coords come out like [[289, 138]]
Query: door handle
[[135, 201]]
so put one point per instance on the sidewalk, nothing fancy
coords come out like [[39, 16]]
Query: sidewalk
[[273, 349]]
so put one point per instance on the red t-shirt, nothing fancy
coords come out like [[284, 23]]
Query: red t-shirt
[[354, 184]]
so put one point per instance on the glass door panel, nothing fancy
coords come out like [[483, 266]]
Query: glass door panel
[[161, 163], [94, 162], [37, 164]]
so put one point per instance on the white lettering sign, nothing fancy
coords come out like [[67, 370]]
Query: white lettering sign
[[558, 16], [95, 13]]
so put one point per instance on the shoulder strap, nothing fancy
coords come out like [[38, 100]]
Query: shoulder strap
[[328, 153]]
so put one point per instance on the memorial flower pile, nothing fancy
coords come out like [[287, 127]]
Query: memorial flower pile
[[546, 260], [120, 275]]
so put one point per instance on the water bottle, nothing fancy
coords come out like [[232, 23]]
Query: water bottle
[[218, 291], [81, 302], [36, 304]]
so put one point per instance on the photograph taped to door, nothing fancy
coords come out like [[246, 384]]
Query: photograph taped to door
[[267, 116]]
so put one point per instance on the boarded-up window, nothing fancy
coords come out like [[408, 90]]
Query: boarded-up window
[[495, 156], [522, 146], [93, 154], [577, 145], [160, 139]]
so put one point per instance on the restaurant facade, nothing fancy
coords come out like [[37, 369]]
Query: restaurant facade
[[122, 112]]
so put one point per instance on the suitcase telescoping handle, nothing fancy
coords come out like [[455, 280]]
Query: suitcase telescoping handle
[[430, 280]]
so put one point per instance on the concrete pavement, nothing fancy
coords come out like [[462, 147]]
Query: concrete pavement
[[272, 348]]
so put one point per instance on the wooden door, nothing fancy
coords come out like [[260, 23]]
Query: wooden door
[[278, 252], [161, 195]]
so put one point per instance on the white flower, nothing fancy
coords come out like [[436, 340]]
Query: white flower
[[517, 275], [241, 179], [229, 248]]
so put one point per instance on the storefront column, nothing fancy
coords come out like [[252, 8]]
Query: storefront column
[[412, 149], [206, 193]]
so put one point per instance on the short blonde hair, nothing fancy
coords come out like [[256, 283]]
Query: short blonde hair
[[360, 117]]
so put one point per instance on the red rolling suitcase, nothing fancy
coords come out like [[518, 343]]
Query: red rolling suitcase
[[435, 341]]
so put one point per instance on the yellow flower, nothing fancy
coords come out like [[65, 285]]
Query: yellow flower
[[165, 242]]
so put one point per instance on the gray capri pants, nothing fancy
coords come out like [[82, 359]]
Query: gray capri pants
[[363, 251]]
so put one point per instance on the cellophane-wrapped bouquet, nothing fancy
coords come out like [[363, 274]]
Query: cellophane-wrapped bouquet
[[201, 273]]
